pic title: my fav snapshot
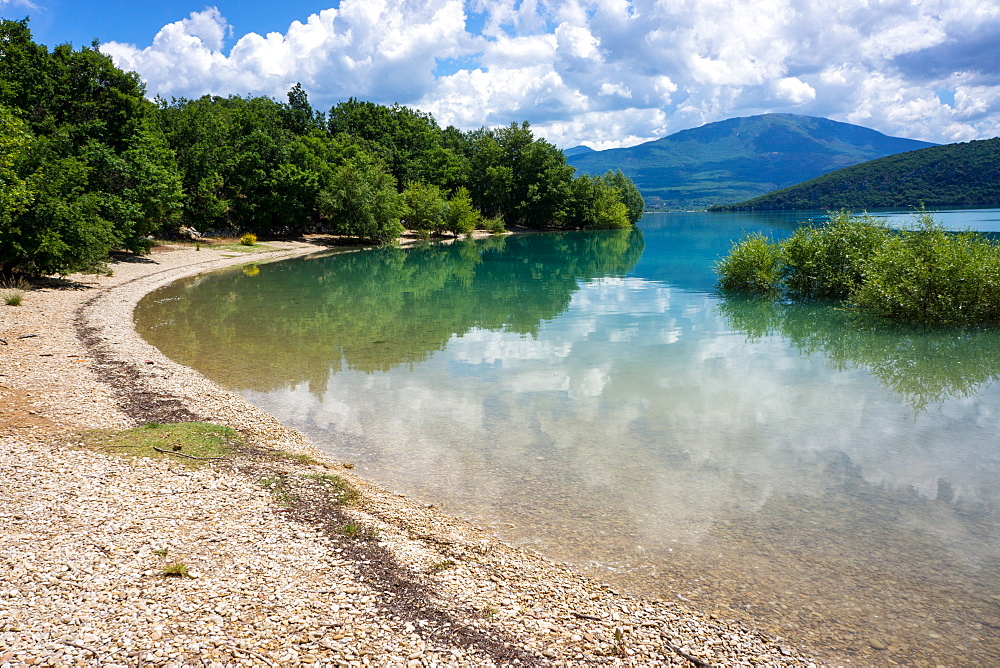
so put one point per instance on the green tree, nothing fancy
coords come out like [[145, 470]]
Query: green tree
[[410, 142], [15, 138], [251, 164], [630, 195], [597, 205], [523, 179], [425, 208], [99, 170], [461, 216], [362, 201]]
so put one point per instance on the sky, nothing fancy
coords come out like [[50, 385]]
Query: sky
[[604, 73]]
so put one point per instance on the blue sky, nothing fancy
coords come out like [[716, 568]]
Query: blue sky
[[602, 72], [80, 21]]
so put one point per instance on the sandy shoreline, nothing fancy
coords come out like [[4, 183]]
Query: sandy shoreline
[[275, 586]]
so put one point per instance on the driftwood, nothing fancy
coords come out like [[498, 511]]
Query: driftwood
[[693, 659], [580, 615], [181, 454]]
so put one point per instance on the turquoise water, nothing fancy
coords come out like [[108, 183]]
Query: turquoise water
[[590, 395]]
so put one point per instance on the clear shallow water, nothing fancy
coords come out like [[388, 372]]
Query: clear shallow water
[[589, 395]]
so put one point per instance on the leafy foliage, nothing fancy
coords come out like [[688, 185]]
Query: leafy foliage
[[88, 165], [753, 265], [425, 208], [630, 195], [461, 216], [84, 164], [829, 261], [952, 175], [929, 275], [361, 201], [923, 275]]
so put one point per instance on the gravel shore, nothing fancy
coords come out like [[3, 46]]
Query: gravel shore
[[84, 536]]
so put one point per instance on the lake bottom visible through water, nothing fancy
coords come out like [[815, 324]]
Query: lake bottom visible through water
[[847, 573], [591, 397]]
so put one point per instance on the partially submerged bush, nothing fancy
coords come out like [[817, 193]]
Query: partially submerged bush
[[924, 274], [828, 261], [930, 275], [753, 265]]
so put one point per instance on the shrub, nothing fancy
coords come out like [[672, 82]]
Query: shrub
[[361, 201], [931, 276], [753, 265], [248, 239], [828, 262], [176, 569], [924, 274], [494, 225], [460, 216], [425, 208]]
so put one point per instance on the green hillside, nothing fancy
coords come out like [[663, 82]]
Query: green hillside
[[965, 174], [734, 160]]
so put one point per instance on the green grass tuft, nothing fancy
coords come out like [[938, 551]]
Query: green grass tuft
[[176, 569], [192, 444], [340, 488]]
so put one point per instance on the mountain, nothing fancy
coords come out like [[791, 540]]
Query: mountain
[[736, 159], [577, 150], [965, 174]]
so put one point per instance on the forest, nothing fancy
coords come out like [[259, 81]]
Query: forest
[[965, 174], [89, 165]]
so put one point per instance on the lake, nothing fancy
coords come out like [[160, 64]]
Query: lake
[[832, 480]]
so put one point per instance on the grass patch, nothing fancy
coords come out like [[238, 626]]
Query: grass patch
[[442, 566], [192, 444], [343, 492], [356, 530], [175, 570], [12, 291], [241, 248], [280, 489]]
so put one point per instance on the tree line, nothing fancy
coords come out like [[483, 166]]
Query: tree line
[[88, 165], [963, 174]]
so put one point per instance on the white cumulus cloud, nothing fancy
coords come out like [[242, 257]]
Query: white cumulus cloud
[[611, 72]]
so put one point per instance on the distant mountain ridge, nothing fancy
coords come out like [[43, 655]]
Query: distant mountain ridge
[[576, 150], [734, 160], [966, 174]]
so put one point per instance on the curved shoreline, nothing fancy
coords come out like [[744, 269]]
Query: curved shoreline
[[431, 589]]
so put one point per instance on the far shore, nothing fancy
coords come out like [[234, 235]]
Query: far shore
[[89, 536]]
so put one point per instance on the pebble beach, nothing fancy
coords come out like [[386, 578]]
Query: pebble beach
[[86, 536]]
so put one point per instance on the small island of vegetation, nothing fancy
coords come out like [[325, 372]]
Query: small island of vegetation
[[925, 274], [88, 165]]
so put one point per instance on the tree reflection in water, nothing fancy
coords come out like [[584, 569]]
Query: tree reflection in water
[[920, 366]]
